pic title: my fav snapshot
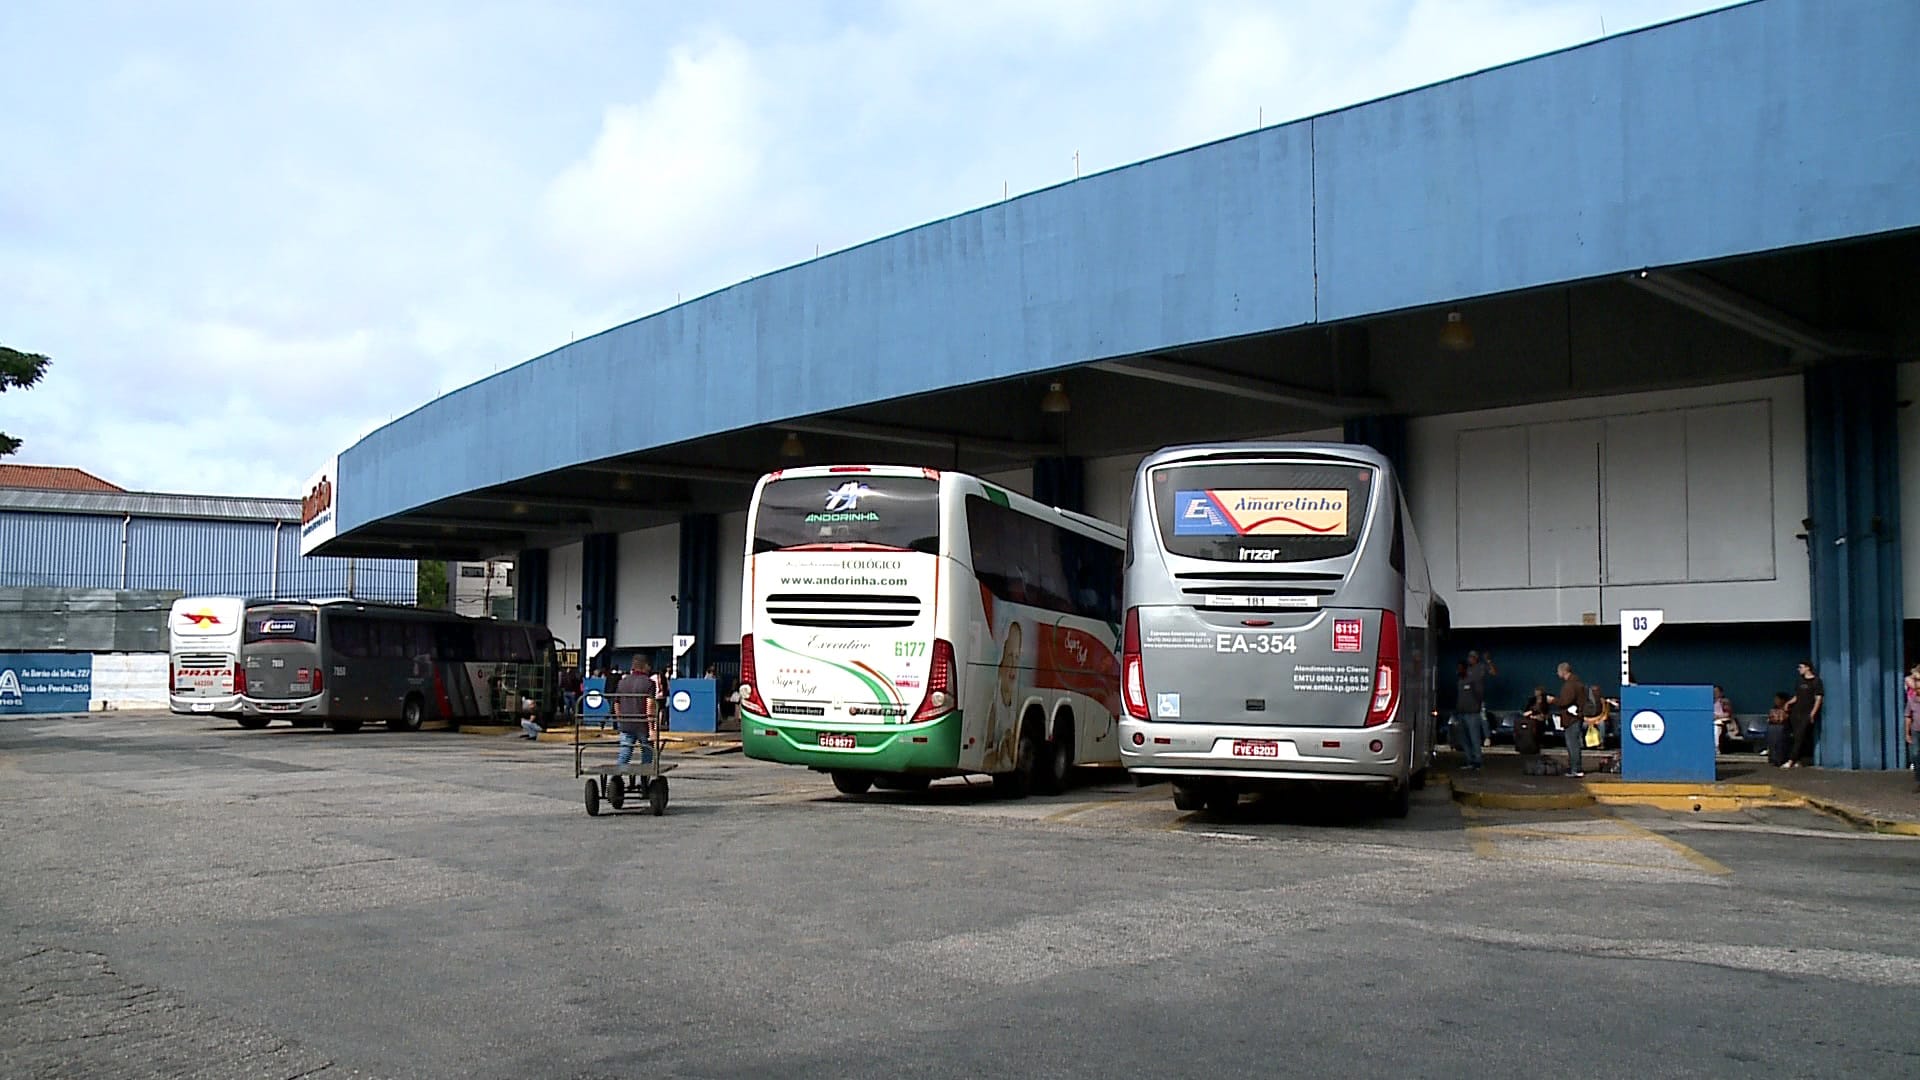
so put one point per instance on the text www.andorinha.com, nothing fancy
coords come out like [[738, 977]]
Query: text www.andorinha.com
[[843, 579]]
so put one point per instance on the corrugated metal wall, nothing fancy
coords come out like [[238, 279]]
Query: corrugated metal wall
[[71, 551], [83, 620], [83, 551]]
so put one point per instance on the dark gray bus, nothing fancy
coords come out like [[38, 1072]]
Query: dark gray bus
[[1280, 624], [344, 663]]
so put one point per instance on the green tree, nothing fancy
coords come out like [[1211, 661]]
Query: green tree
[[18, 370], [433, 585]]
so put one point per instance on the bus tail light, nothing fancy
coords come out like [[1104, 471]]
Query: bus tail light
[[939, 699], [173, 677], [319, 680], [239, 678], [749, 679], [1133, 679], [1386, 672]]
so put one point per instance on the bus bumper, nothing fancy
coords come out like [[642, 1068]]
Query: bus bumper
[[931, 747], [215, 706], [309, 706], [1298, 754]]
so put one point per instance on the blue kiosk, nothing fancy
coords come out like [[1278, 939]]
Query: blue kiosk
[[1666, 732]]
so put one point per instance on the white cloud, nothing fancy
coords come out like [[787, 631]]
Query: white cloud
[[671, 176]]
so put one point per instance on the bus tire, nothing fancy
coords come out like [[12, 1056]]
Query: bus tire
[[849, 782], [412, 714], [1056, 766], [1188, 799], [344, 725], [251, 723], [1418, 781], [1400, 800]]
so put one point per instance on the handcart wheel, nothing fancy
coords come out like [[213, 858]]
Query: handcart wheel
[[657, 795], [593, 798], [616, 791]]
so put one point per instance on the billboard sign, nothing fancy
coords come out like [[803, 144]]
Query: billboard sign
[[319, 506], [45, 683]]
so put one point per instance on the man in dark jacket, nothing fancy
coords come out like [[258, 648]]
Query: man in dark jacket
[[633, 703], [1570, 706], [1803, 712]]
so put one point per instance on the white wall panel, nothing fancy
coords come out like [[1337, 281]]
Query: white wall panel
[[1489, 499], [1646, 498], [648, 577], [1563, 503], [564, 568], [1910, 485], [732, 567], [1743, 474], [1730, 460]]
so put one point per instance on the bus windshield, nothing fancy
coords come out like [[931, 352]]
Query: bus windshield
[[860, 510], [1269, 511]]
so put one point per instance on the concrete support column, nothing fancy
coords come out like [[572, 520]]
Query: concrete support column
[[699, 586], [599, 575], [530, 568], [1387, 434], [1853, 547], [1061, 482]]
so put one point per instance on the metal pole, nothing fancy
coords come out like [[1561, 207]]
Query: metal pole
[[273, 585], [350, 578], [126, 543]]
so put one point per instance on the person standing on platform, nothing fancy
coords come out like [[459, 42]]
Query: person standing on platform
[[1567, 706], [1470, 707], [634, 704], [1803, 712]]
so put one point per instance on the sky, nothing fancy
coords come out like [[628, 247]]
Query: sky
[[248, 234]]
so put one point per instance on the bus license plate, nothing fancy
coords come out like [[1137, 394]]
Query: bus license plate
[[834, 740], [1256, 748]]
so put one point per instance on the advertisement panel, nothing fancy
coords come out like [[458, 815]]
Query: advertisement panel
[[45, 683], [318, 507]]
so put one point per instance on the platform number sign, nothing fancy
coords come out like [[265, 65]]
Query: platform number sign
[[1636, 626]]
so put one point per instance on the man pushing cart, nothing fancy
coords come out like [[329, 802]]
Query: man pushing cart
[[637, 711]]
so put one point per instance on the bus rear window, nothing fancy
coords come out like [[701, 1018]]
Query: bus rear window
[[849, 508], [1262, 512], [280, 626]]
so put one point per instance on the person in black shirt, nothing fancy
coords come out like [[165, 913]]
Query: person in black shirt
[[1803, 713]]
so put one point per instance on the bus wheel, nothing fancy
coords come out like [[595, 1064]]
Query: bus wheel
[[848, 782], [593, 798], [252, 723], [1418, 781], [1057, 763], [411, 715], [1189, 799], [344, 725], [1400, 800]]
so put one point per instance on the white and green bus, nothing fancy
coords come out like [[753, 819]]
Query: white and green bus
[[902, 624]]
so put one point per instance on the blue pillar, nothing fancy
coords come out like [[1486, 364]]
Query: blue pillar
[[599, 575], [699, 586], [1387, 434], [1853, 548], [530, 585], [1061, 482]]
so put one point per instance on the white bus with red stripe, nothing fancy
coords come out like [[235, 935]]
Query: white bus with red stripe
[[203, 655], [903, 624]]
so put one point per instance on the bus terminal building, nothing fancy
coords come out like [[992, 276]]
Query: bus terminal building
[[1637, 322]]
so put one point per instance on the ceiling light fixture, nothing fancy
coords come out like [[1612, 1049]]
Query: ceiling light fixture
[[792, 447], [1055, 400], [1456, 335]]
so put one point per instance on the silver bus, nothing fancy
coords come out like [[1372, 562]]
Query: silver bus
[[344, 663], [1280, 624]]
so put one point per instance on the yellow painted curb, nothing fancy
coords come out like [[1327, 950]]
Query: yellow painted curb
[[1649, 787], [1864, 821]]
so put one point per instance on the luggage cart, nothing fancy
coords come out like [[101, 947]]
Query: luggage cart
[[643, 782]]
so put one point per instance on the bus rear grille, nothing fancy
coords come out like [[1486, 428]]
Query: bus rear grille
[[203, 660], [1297, 577], [843, 611]]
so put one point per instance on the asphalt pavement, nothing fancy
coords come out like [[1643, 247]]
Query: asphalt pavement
[[180, 898]]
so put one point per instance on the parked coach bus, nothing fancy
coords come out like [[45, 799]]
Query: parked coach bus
[[1280, 624], [203, 654], [902, 624], [344, 663]]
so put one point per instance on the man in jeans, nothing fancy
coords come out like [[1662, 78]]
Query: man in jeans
[[1570, 707], [633, 701], [1470, 707]]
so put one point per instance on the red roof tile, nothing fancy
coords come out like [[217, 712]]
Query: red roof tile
[[52, 478]]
